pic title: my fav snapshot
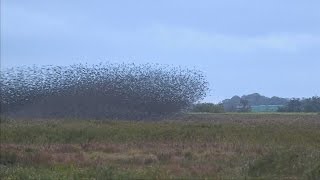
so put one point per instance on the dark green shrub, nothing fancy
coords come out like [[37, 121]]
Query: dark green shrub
[[208, 108], [7, 158]]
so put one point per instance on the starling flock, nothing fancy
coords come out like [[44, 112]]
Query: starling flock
[[105, 90]]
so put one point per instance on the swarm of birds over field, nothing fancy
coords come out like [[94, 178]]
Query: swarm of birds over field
[[105, 90]]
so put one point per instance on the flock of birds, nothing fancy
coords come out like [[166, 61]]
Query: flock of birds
[[104, 90]]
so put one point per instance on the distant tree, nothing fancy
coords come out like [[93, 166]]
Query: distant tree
[[244, 106], [311, 104], [294, 105], [230, 105]]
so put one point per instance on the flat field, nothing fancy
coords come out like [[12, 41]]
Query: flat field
[[194, 146]]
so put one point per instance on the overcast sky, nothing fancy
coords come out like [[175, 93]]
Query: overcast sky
[[267, 46]]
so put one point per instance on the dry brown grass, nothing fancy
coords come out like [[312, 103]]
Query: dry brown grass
[[194, 158]]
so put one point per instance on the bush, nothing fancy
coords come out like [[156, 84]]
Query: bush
[[7, 158], [106, 90], [208, 108]]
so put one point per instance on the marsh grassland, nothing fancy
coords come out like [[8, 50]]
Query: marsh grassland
[[195, 146]]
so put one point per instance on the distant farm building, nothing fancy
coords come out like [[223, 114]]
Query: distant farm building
[[265, 108]]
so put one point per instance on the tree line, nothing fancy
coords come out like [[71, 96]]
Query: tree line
[[302, 105], [243, 103], [247, 102]]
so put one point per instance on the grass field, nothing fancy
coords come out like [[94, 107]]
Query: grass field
[[195, 146]]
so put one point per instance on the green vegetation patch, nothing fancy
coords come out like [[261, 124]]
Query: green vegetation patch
[[196, 146]]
